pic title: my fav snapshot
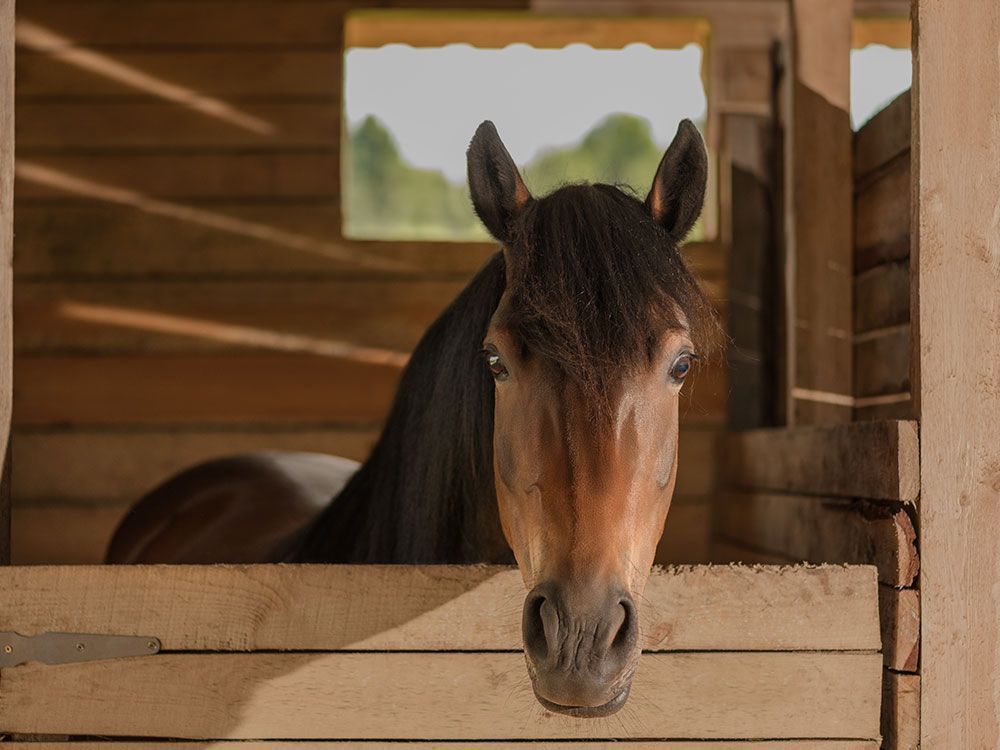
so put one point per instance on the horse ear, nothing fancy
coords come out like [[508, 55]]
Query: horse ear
[[498, 192], [678, 191]]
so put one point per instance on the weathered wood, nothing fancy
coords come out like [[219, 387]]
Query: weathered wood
[[442, 696], [882, 296], [899, 615], [882, 217], [882, 361], [190, 175], [875, 460], [892, 406], [957, 315], [222, 607], [901, 711], [6, 252], [818, 213], [883, 138], [824, 531], [363, 745], [226, 315], [84, 541]]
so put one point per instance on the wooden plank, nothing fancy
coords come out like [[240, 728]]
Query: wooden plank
[[156, 390], [891, 406], [87, 125], [882, 296], [957, 318], [231, 74], [883, 138], [824, 531], [882, 361], [268, 240], [448, 608], [899, 615], [6, 253], [240, 175], [441, 696], [882, 218], [114, 467], [901, 711], [685, 533], [875, 460], [818, 213], [217, 316], [83, 537], [362, 745]]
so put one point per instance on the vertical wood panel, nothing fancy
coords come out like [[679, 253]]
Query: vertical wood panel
[[956, 129], [819, 206], [6, 260]]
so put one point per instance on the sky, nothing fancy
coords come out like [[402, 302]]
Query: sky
[[433, 99]]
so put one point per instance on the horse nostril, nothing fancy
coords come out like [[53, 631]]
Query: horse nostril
[[533, 626], [627, 633]]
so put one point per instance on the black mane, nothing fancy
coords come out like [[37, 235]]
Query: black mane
[[593, 281]]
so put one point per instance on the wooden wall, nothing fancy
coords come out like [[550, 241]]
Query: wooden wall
[[182, 288]]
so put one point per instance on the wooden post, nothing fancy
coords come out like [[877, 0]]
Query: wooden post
[[955, 264], [6, 260], [818, 206]]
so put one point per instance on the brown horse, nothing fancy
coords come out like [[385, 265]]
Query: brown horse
[[538, 415]]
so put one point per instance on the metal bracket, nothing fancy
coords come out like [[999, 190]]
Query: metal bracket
[[64, 648]]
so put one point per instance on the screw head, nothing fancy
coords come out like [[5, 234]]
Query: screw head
[[151, 645], [80, 647], [8, 649]]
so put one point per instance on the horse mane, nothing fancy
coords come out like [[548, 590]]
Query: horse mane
[[593, 282]]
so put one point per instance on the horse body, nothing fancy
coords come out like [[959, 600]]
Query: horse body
[[536, 421]]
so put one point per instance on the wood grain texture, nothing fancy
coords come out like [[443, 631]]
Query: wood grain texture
[[824, 531], [440, 696], [84, 533], [957, 277], [362, 745], [901, 711], [6, 255], [238, 608], [883, 138], [819, 207], [882, 216], [882, 361], [874, 460], [899, 615], [882, 296]]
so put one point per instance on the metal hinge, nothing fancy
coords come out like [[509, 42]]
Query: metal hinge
[[64, 648]]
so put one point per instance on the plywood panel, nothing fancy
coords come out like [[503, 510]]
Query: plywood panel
[[877, 460], [443, 696], [226, 607]]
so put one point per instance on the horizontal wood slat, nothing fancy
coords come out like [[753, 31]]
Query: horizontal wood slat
[[899, 614], [226, 316], [296, 607], [882, 362], [882, 217], [363, 745], [883, 138], [265, 175], [821, 530], [882, 296], [439, 696], [876, 460]]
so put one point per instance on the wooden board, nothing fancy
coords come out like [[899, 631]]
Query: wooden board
[[363, 745], [223, 607], [876, 460], [901, 711], [882, 216], [899, 614], [83, 536], [818, 213], [6, 251], [882, 361], [957, 278], [824, 531], [882, 296], [883, 138], [440, 696]]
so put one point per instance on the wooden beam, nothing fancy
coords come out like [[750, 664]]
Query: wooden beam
[[818, 213], [218, 607], [873, 460], [363, 745], [899, 615], [956, 262], [882, 296], [882, 224], [439, 696], [6, 261], [901, 711], [821, 530], [883, 138]]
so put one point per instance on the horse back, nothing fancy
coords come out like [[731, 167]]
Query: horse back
[[238, 509]]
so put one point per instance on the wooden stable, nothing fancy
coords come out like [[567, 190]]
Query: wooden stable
[[170, 266]]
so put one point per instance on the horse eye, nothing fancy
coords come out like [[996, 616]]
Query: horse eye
[[681, 368], [497, 368]]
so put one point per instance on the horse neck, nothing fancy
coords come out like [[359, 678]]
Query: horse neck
[[426, 494]]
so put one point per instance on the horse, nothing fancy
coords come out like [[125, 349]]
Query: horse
[[536, 422]]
